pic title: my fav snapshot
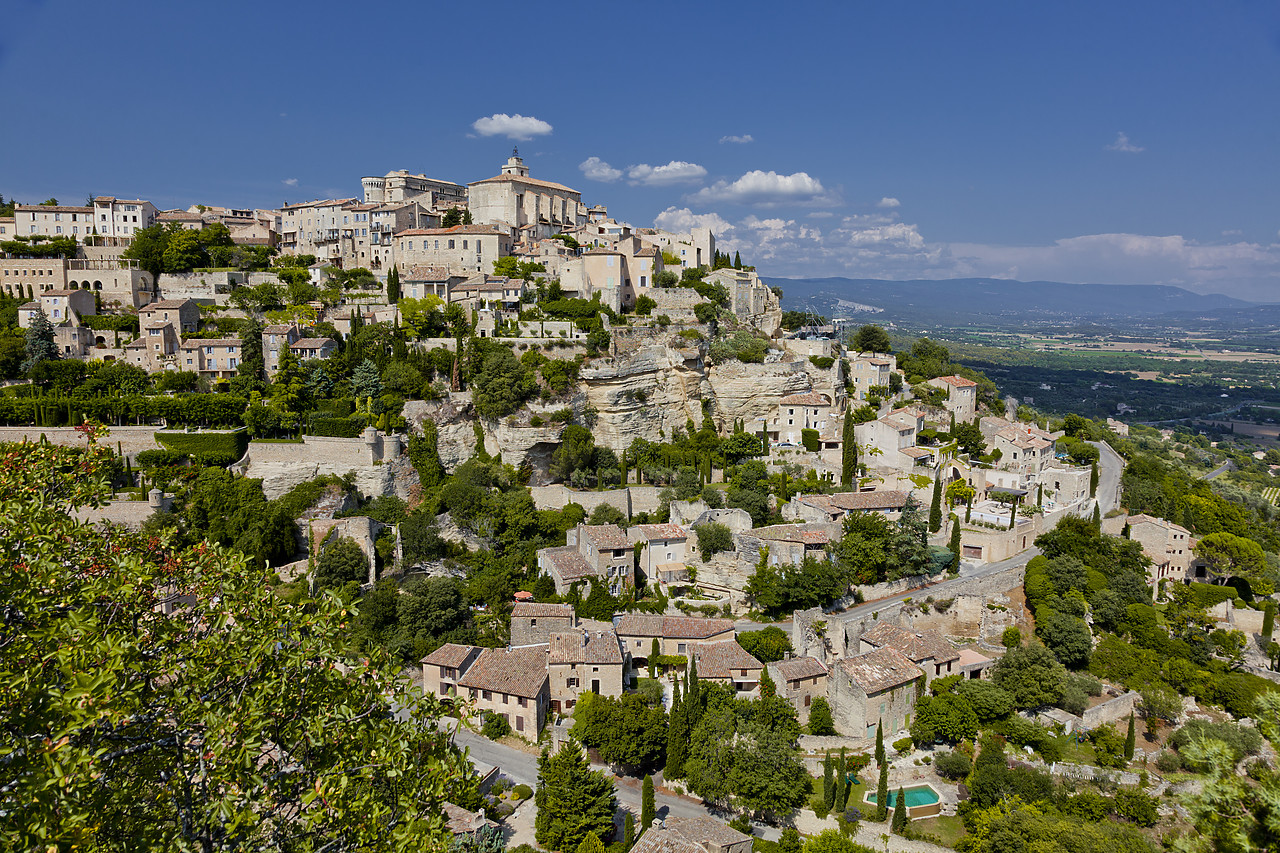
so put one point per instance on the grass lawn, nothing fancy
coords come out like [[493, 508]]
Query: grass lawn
[[948, 830], [1077, 753]]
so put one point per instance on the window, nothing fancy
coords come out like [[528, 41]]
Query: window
[[464, 244], [487, 696], [523, 702], [520, 724], [450, 244], [681, 648]]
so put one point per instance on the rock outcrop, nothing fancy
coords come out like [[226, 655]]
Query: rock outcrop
[[751, 391], [454, 418], [644, 395]]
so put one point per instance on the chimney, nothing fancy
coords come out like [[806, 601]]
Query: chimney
[[658, 823]]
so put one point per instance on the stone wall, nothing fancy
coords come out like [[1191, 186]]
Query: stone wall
[[379, 463], [128, 440], [1111, 711], [631, 500], [676, 302], [206, 287]]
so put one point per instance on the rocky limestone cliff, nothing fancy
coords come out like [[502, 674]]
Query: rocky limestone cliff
[[453, 417], [751, 391], [393, 477], [644, 395]]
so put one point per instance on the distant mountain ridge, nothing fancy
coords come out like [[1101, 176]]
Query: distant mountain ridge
[[964, 301]]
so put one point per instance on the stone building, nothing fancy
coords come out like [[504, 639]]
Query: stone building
[[275, 339], [533, 623], [833, 509], [59, 306], [184, 314], [926, 649], [114, 279], [799, 680], [879, 686], [442, 668], [539, 208], [692, 835], [117, 220], [599, 552], [675, 634], [798, 412], [788, 544], [52, 221], [584, 661], [460, 249], [1167, 545], [726, 662], [752, 301], [512, 683], [1024, 448], [870, 370], [665, 546], [962, 396], [401, 186]]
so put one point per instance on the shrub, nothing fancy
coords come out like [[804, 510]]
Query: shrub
[[903, 744], [495, 727], [524, 792], [953, 765], [822, 362], [160, 458], [1240, 740], [1168, 762], [233, 444], [809, 438]]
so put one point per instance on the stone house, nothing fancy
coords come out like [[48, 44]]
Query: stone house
[[798, 680], [156, 348], [599, 552], [184, 314], [460, 248], [60, 305], [870, 370], [665, 547], [521, 202], [1167, 545], [274, 339], [1024, 448], [726, 662], [442, 668], [700, 834], [418, 281], [880, 685], [217, 358], [886, 437], [798, 412], [788, 544], [533, 623], [752, 301], [962, 396], [312, 348], [52, 221], [675, 634], [512, 683], [584, 661], [833, 509], [926, 649], [464, 824]]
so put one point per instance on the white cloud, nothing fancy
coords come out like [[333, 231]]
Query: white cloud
[[767, 189], [675, 172], [290, 182], [1123, 144], [738, 140], [595, 169], [888, 202], [878, 246], [516, 126]]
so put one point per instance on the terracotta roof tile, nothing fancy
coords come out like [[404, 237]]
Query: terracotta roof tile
[[917, 645], [604, 536], [524, 180], [721, 659], [450, 655], [672, 627], [957, 381], [880, 670], [794, 669], [811, 398], [534, 609], [587, 647], [520, 671], [856, 501], [568, 563], [662, 531]]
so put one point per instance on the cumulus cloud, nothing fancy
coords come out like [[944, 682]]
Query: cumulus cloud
[[595, 169], [1123, 144], [290, 182], [737, 140], [878, 246], [888, 202], [675, 172], [516, 126], [767, 189]]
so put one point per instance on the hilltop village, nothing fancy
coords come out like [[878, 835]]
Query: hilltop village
[[609, 503]]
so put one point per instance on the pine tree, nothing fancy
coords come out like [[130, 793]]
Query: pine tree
[[790, 841], [574, 801], [39, 344], [737, 261], [880, 743], [768, 689], [677, 739], [828, 786], [900, 812], [1129, 740], [882, 793], [647, 810], [393, 285], [935, 506], [590, 843], [848, 450]]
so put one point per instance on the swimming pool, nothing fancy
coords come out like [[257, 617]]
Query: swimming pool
[[922, 800]]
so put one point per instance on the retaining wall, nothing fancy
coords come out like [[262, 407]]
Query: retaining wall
[[130, 440], [631, 500]]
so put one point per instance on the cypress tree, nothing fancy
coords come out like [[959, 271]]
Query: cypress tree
[[900, 812], [954, 544], [393, 285], [629, 830], [654, 651], [848, 450], [1097, 517], [1129, 740], [1093, 480], [828, 789], [677, 739], [1268, 619], [647, 811], [880, 743], [737, 261], [842, 787], [968, 508], [882, 793], [935, 506]]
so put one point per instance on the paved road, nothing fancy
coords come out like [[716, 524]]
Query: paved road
[[1110, 467], [1220, 470]]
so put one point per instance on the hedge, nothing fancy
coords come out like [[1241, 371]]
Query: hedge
[[200, 410], [809, 438], [336, 427], [669, 660], [161, 458], [111, 322], [207, 444]]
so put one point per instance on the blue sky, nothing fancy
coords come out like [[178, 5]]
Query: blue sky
[[1126, 142]]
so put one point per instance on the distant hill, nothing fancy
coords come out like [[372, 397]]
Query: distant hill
[[988, 301]]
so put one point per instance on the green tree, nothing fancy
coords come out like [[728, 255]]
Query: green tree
[[1031, 675], [871, 338], [820, 721], [575, 453], [1228, 554], [713, 537], [882, 792], [627, 731], [935, 506], [790, 841], [969, 439], [148, 750], [899, 823], [1268, 619], [954, 544], [1093, 479], [393, 284], [39, 345], [629, 830], [366, 382], [880, 755], [832, 841], [766, 645], [501, 385], [677, 737], [424, 455], [1130, 740], [848, 450], [573, 800], [828, 780], [655, 651], [842, 782], [342, 562], [647, 810], [946, 717]]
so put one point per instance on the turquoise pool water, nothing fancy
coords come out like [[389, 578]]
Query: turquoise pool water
[[920, 795]]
